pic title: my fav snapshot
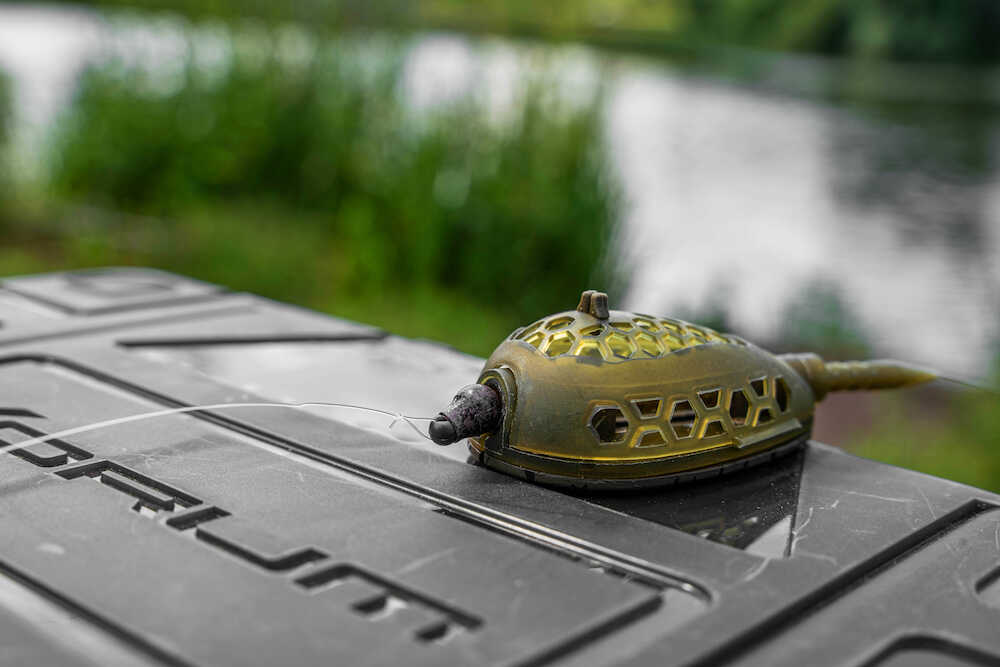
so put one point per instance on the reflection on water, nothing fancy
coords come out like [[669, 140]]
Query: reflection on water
[[739, 199], [745, 199]]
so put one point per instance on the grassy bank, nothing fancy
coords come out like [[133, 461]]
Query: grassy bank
[[246, 246], [956, 435]]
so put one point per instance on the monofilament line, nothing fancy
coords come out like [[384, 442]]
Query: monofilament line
[[397, 417]]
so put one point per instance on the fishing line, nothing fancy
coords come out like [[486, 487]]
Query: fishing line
[[969, 385], [397, 417]]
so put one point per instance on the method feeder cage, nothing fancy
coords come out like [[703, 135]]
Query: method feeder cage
[[594, 398]]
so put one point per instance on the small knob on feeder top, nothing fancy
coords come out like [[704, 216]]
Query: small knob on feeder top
[[476, 409], [594, 303]]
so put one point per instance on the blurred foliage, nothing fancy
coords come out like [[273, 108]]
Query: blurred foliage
[[925, 30], [314, 166], [714, 311], [823, 321], [5, 123], [920, 30], [5, 108]]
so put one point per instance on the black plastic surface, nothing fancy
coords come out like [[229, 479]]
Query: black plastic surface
[[270, 536]]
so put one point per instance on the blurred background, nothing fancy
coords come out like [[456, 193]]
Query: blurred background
[[813, 175]]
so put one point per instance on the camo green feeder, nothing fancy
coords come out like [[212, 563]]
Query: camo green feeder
[[599, 398]]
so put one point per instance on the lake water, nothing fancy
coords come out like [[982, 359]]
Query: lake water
[[741, 191]]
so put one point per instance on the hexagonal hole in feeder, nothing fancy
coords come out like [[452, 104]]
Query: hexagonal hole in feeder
[[559, 323], [682, 417], [739, 407], [648, 344], [648, 408], [710, 398], [646, 323], [620, 345], [535, 339], [589, 348], [651, 437], [609, 424], [559, 344]]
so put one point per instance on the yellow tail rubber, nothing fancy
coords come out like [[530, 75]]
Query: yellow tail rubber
[[827, 376]]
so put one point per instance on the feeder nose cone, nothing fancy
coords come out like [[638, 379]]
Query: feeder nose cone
[[476, 409], [442, 431]]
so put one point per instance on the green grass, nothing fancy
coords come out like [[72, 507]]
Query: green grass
[[960, 442], [5, 121], [246, 246]]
